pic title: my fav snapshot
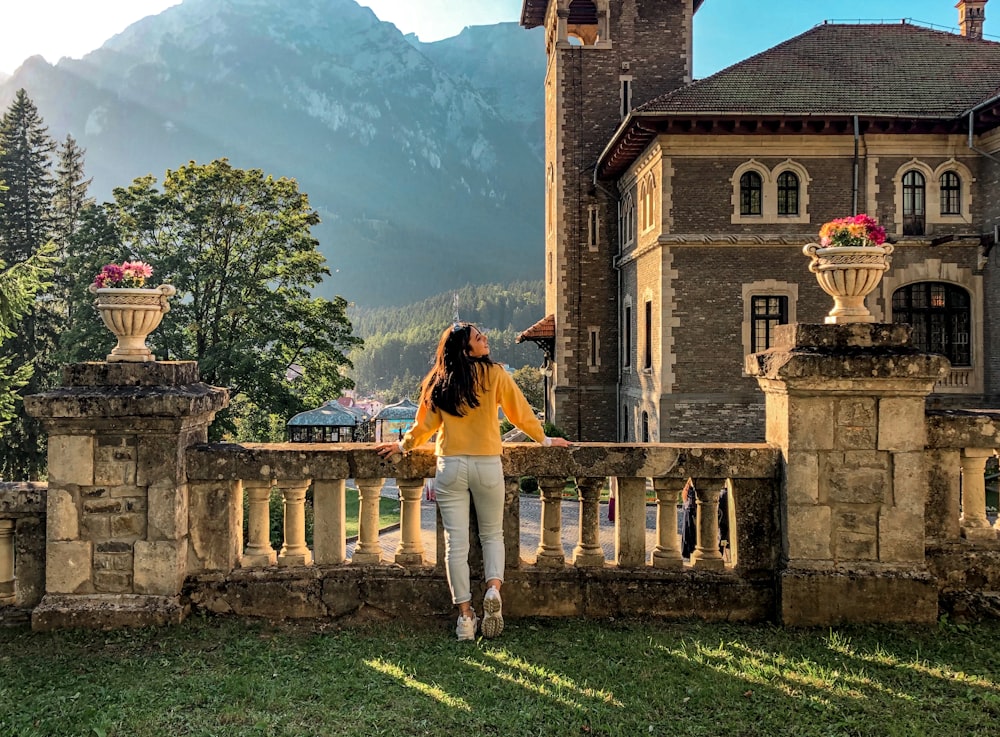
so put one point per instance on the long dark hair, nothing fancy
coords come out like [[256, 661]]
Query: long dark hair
[[453, 385]]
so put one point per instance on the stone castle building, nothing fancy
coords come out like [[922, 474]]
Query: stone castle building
[[676, 210]]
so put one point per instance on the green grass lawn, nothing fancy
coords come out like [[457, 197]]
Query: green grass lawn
[[543, 677]]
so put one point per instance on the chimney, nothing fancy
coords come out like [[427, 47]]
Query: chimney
[[971, 14]]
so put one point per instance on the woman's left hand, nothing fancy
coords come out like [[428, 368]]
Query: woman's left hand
[[559, 443]]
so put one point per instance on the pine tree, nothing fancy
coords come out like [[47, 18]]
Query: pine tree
[[71, 196], [69, 205], [26, 169], [25, 226]]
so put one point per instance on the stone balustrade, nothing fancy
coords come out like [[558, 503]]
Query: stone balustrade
[[22, 547], [861, 507]]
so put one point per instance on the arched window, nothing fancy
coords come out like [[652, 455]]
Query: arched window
[[626, 220], [751, 187], [645, 427], [951, 194], [939, 315], [648, 186], [914, 197], [788, 193]]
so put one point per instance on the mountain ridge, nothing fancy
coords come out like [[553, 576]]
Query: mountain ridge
[[423, 164]]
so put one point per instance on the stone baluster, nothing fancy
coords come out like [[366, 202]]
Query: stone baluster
[[368, 551], [6, 561], [630, 522], [975, 525], [512, 521], [667, 553], [410, 551], [294, 551], [550, 551], [588, 552], [329, 522], [259, 551], [706, 555]]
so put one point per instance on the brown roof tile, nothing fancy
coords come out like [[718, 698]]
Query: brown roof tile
[[543, 329], [870, 69]]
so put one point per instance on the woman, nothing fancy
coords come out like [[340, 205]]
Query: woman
[[458, 401]]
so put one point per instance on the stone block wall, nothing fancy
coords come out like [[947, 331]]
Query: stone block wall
[[117, 505]]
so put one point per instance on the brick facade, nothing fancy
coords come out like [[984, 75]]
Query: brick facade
[[691, 254]]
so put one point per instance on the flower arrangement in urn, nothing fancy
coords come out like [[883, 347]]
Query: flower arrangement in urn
[[129, 309], [860, 230], [126, 275], [849, 262]]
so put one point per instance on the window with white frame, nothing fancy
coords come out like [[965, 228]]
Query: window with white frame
[[927, 196], [627, 337], [770, 195], [647, 352], [594, 349], [766, 304]]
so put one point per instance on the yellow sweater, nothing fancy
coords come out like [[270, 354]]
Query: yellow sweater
[[477, 433]]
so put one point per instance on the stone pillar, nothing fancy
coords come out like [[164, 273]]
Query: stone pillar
[[588, 552], [667, 553], [368, 551], [845, 403], [550, 551], [117, 534], [410, 551], [6, 562]]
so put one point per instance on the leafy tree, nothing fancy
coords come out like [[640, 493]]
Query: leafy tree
[[529, 379], [237, 246], [25, 226]]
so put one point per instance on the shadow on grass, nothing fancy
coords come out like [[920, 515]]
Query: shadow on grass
[[543, 677]]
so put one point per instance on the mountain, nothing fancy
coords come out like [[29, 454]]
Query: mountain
[[423, 160]]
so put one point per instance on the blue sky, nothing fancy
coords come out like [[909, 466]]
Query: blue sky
[[726, 31]]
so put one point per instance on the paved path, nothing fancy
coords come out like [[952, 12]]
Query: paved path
[[531, 515]]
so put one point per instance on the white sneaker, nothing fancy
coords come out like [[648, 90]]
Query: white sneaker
[[493, 617], [466, 627]]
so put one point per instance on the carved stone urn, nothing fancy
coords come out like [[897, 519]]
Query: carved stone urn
[[132, 314], [848, 274]]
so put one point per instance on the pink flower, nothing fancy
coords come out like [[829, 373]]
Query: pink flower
[[127, 275], [859, 230]]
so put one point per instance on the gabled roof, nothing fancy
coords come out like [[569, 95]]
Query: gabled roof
[[533, 12], [331, 414], [404, 409], [875, 71], [898, 69], [544, 329]]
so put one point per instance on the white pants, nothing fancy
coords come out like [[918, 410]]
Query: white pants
[[456, 478]]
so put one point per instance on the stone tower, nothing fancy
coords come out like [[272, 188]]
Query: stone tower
[[605, 57], [971, 14]]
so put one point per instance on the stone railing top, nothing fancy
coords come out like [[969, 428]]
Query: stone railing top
[[22, 498], [850, 352], [221, 461], [963, 428], [149, 373], [94, 403]]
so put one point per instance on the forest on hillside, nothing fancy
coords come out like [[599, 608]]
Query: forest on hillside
[[400, 341]]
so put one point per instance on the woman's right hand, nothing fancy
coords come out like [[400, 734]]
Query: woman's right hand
[[387, 449]]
